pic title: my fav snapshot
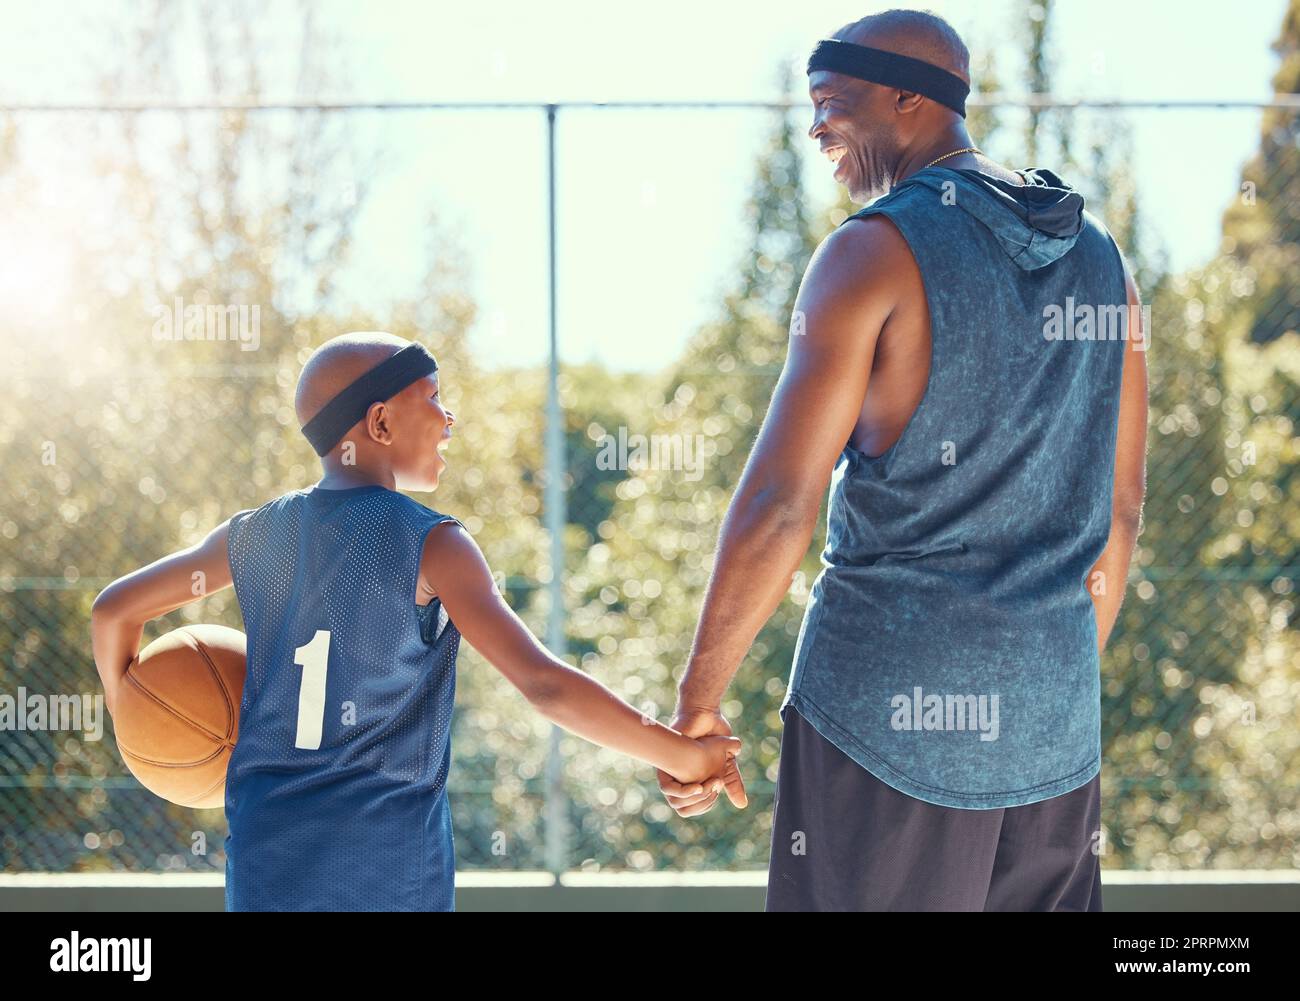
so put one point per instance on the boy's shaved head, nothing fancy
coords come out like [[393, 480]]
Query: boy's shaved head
[[396, 440], [339, 362]]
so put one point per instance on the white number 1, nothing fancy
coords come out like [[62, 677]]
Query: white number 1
[[314, 659]]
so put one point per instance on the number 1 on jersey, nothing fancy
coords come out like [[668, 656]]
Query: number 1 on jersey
[[313, 658]]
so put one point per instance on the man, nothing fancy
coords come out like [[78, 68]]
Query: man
[[983, 436]]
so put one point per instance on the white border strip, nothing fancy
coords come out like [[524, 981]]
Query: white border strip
[[534, 878]]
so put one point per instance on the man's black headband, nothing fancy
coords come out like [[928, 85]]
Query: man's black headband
[[382, 382], [889, 69]]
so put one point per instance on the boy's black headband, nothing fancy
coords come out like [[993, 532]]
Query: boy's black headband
[[382, 382], [889, 69]]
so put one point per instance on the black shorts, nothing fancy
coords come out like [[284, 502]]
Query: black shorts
[[842, 840]]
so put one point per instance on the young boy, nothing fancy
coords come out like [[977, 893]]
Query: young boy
[[354, 599]]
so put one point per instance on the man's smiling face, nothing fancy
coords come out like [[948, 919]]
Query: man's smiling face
[[844, 109]]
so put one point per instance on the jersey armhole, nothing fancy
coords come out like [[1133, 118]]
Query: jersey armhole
[[234, 530], [427, 616], [438, 520]]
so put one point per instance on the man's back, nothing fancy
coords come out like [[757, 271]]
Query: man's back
[[950, 644]]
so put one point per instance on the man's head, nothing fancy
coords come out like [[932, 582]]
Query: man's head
[[871, 127], [400, 435]]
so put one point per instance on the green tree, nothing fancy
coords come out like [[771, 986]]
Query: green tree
[[1261, 228], [642, 583], [121, 447]]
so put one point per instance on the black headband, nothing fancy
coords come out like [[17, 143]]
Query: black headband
[[382, 382], [889, 69]]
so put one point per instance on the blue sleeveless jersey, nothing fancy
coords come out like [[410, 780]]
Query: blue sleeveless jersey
[[336, 793], [949, 645]]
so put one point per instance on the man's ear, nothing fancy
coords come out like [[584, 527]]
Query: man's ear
[[907, 102], [379, 423]]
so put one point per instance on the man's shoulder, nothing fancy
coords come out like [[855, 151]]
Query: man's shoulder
[[873, 237], [1094, 224], [865, 250], [1101, 242]]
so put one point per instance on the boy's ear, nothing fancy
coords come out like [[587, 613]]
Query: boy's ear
[[379, 423]]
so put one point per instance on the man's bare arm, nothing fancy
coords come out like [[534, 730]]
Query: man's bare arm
[[1130, 479], [845, 298]]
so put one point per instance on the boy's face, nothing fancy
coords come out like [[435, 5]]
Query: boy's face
[[421, 428]]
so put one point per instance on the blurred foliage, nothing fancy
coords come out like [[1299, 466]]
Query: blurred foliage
[[1261, 229], [118, 449]]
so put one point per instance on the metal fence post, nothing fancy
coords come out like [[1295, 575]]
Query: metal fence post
[[556, 516]]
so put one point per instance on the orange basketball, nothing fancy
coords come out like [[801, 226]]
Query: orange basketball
[[177, 716]]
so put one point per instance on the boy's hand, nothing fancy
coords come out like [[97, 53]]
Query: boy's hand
[[715, 757], [692, 799]]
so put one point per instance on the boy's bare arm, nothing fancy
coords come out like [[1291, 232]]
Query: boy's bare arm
[[453, 567], [120, 611]]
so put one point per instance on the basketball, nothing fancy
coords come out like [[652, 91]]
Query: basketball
[[177, 717]]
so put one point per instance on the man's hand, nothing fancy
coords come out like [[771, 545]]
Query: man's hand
[[693, 800]]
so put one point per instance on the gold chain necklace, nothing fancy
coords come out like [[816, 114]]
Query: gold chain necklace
[[967, 149]]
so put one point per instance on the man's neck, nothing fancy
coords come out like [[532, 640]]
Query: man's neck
[[951, 139]]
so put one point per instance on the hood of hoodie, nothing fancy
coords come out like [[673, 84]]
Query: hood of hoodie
[[1035, 223]]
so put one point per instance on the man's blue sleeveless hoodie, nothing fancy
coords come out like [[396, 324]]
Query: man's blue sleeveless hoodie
[[949, 645]]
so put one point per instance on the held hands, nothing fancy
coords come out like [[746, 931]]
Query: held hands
[[710, 760], [695, 794]]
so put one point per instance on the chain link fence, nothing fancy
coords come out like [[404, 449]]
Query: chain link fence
[[118, 449]]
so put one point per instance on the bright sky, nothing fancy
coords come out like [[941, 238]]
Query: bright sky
[[651, 203]]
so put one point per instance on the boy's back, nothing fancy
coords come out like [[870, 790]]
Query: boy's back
[[336, 789], [336, 793]]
